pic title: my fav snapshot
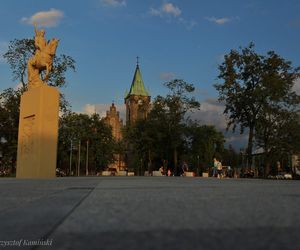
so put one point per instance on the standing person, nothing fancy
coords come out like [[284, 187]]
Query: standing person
[[215, 167], [161, 169], [184, 168], [219, 169]]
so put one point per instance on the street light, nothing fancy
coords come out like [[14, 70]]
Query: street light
[[198, 165], [87, 159], [78, 167], [71, 157]]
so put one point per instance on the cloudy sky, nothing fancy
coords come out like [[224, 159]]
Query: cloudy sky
[[184, 39]]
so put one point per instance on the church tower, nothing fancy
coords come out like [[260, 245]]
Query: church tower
[[138, 99]]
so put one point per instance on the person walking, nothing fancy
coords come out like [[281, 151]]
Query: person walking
[[214, 173]]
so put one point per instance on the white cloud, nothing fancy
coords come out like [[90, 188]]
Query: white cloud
[[3, 50], [219, 21], [167, 9], [113, 3], [171, 12], [49, 18], [211, 113], [171, 9], [167, 76], [296, 86], [89, 109]]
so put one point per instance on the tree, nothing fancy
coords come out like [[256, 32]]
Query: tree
[[139, 144], [251, 83], [278, 133], [205, 142], [9, 124], [177, 104], [102, 144], [81, 129], [230, 157], [162, 135]]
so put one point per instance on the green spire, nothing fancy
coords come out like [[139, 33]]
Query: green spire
[[137, 85]]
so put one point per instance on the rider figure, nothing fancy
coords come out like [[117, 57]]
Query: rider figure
[[39, 40], [42, 61]]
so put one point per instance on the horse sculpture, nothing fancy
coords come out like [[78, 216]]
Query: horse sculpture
[[41, 61]]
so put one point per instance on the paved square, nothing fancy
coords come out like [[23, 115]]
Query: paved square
[[151, 213]]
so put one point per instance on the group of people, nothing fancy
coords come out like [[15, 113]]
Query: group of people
[[180, 172], [217, 170], [168, 173]]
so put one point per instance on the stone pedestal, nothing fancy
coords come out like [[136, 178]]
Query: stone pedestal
[[38, 133]]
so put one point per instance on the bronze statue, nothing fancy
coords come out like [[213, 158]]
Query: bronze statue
[[42, 60]]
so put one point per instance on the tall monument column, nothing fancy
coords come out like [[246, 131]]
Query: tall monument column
[[39, 107]]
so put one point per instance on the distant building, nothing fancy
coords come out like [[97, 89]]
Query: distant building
[[137, 100], [113, 119]]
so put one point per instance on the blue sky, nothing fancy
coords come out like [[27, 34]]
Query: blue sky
[[174, 39]]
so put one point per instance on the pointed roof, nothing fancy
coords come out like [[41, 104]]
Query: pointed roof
[[137, 85]]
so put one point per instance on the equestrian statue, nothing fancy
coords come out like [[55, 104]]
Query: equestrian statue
[[42, 59]]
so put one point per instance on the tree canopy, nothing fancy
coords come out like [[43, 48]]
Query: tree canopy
[[9, 125], [88, 131], [253, 85], [161, 138]]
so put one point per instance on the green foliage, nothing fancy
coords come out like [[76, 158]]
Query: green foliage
[[139, 144], [9, 123], [17, 56], [61, 65], [230, 157], [252, 84], [205, 143], [162, 135], [278, 133], [83, 129]]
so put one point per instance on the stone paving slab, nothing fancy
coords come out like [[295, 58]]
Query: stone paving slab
[[152, 213]]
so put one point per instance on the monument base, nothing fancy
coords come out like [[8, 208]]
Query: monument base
[[38, 133]]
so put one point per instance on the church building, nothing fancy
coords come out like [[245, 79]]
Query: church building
[[113, 119], [137, 100]]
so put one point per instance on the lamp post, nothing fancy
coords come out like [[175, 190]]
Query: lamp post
[[198, 173], [78, 167], [71, 151], [87, 159]]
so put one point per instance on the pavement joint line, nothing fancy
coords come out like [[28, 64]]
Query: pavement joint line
[[7, 209], [51, 231]]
